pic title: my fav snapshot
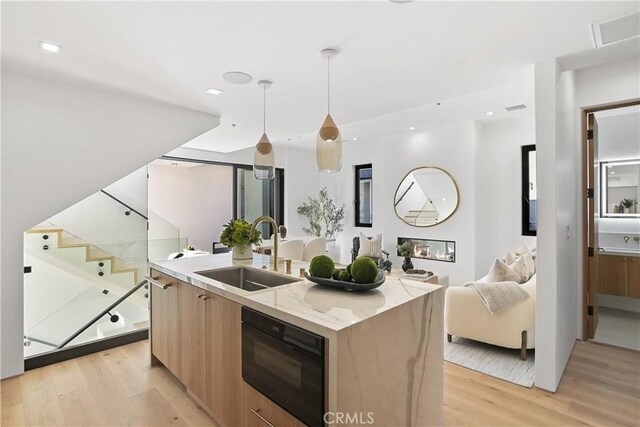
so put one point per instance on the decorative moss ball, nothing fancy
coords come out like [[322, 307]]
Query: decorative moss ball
[[336, 274], [349, 268], [364, 270], [322, 266], [344, 276]]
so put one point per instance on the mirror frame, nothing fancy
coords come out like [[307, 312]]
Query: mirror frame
[[604, 189], [455, 185]]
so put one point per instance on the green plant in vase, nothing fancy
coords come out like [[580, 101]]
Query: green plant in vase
[[237, 235], [627, 204], [406, 251]]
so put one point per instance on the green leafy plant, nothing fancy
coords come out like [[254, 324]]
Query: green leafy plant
[[237, 234], [406, 249], [627, 203], [322, 211]]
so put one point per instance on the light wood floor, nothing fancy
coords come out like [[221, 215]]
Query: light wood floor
[[117, 387]]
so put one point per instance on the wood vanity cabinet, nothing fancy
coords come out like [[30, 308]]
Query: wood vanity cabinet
[[619, 275], [165, 333], [260, 411], [197, 336], [634, 277]]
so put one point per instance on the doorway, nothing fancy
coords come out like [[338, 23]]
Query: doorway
[[611, 223]]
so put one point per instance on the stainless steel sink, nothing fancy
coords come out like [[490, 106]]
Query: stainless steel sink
[[249, 279]]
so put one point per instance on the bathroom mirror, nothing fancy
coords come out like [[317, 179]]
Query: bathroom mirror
[[620, 189], [426, 196]]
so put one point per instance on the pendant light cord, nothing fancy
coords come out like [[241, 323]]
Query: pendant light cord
[[264, 109], [329, 85]]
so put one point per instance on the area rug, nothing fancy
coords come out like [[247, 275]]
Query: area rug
[[499, 362]]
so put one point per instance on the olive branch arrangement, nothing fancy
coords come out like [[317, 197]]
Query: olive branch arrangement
[[322, 211]]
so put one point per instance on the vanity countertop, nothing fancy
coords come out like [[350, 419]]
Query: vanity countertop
[[319, 309], [619, 252]]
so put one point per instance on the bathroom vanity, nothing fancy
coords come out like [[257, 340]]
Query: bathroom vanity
[[255, 347]]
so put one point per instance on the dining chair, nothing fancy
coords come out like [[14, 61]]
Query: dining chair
[[314, 247], [291, 249]]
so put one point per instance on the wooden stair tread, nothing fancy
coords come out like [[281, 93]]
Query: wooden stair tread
[[44, 230]]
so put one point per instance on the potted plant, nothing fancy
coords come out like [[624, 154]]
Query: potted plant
[[627, 203], [406, 251], [237, 235]]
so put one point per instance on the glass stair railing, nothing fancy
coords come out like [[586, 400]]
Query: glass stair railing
[[89, 315], [87, 268]]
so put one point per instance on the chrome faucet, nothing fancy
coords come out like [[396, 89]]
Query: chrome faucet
[[275, 236], [626, 239]]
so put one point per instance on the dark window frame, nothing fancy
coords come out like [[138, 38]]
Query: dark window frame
[[357, 169], [526, 204]]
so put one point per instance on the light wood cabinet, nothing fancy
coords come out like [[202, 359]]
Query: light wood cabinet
[[197, 336], [619, 275], [165, 333], [223, 353], [260, 411], [192, 305], [634, 277]]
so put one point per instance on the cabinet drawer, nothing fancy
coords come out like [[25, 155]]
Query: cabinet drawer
[[260, 411]]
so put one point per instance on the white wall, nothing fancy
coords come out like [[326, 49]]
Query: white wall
[[450, 147], [61, 143], [498, 187], [557, 221], [612, 82], [198, 200]]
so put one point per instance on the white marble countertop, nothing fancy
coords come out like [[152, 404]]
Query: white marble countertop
[[314, 307]]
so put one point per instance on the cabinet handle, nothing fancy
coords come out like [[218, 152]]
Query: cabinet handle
[[156, 283], [200, 295], [256, 412]]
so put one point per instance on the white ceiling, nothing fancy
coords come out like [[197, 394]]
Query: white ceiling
[[395, 60]]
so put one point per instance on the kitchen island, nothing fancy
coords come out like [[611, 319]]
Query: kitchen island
[[382, 348]]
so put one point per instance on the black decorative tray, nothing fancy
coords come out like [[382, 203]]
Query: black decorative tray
[[348, 286]]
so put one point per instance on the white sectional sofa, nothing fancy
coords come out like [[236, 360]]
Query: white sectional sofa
[[466, 316]]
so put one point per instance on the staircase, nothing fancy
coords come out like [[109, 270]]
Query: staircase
[[421, 217], [83, 255]]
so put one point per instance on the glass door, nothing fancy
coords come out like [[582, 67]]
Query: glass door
[[255, 197]]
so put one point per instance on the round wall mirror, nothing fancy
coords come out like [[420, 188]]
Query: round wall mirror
[[426, 196]]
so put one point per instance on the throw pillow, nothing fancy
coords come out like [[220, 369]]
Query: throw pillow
[[521, 268], [509, 259], [524, 249], [501, 272], [370, 246], [531, 265]]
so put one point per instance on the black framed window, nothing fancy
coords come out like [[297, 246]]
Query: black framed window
[[364, 195], [529, 191]]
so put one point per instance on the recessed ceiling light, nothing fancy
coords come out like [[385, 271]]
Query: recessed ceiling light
[[613, 172], [214, 91], [50, 47], [355, 138], [237, 77], [412, 128], [489, 113]]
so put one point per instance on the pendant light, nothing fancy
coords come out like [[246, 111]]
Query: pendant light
[[264, 159], [329, 140]]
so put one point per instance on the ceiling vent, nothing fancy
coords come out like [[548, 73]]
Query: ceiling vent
[[608, 31], [516, 107]]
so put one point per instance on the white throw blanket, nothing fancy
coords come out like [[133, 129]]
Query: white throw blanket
[[499, 296]]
